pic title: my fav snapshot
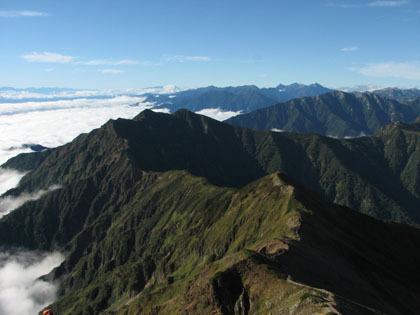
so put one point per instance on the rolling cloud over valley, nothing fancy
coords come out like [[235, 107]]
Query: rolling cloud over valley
[[21, 290]]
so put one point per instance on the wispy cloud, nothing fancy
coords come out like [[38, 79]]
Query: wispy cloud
[[182, 58], [112, 71], [103, 62], [351, 48], [10, 203], [108, 62], [50, 57], [388, 3], [47, 57], [9, 179], [25, 13], [404, 70]]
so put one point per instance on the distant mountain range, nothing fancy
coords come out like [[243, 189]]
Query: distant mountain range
[[336, 114], [242, 98], [402, 96], [173, 213]]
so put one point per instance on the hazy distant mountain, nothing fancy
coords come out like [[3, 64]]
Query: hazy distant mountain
[[402, 96], [335, 114], [283, 93], [242, 98], [143, 234]]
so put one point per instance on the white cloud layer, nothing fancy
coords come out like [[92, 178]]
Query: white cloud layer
[[21, 291], [9, 179], [24, 13], [25, 107], [10, 203], [21, 95], [404, 70], [387, 3], [102, 62], [11, 94], [217, 113], [47, 57]]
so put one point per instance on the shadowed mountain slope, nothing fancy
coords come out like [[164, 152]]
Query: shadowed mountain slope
[[336, 114], [377, 175]]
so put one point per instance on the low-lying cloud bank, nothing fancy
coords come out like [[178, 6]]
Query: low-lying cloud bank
[[9, 179], [21, 290], [10, 203], [217, 113], [360, 135]]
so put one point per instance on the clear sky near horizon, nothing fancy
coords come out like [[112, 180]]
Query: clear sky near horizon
[[104, 44]]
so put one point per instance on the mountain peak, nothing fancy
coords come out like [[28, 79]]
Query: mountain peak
[[145, 114]]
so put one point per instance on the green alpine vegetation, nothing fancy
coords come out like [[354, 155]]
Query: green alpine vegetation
[[336, 114], [183, 214], [376, 175]]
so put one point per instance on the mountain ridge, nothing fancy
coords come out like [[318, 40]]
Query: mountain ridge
[[337, 114], [96, 279], [240, 98], [233, 156], [153, 224]]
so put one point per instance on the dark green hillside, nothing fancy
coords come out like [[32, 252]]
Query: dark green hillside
[[335, 114], [377, 175], [171, 242]]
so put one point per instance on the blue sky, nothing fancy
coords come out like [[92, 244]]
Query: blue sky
[[134, 44]]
